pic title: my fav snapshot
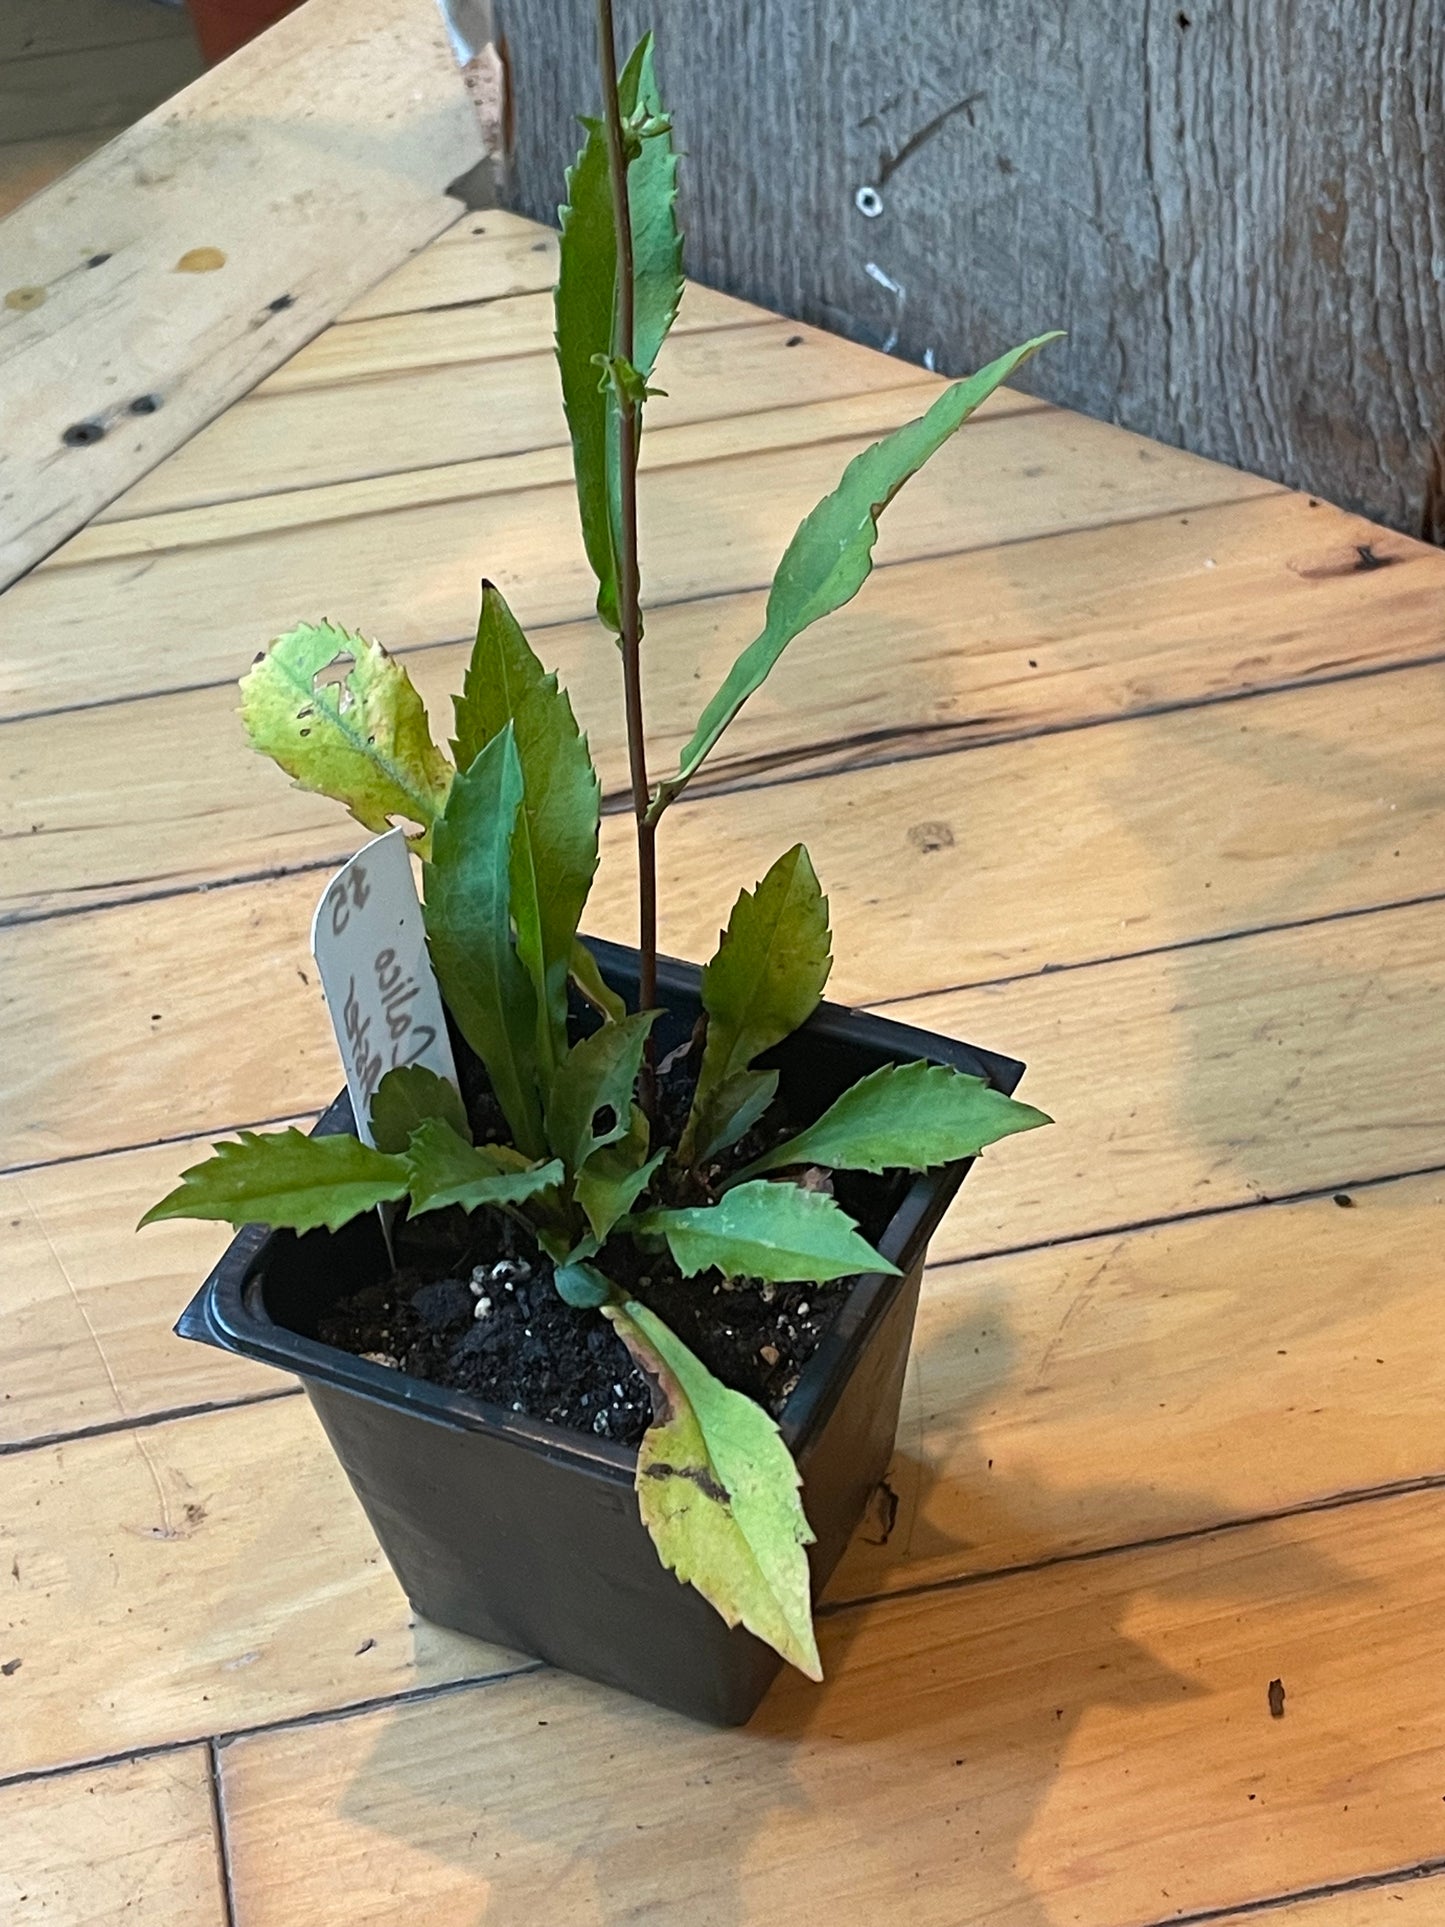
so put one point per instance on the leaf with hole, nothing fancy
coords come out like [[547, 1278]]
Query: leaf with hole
[[360, 736], [591, 1099], [904, 1116], [765, 980], [718, 1491], [468, 917], [772, 1231], [831, 555], [616, 1175], [286, 1179]]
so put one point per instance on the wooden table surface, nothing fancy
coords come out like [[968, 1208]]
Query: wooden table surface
[[1124, 762]]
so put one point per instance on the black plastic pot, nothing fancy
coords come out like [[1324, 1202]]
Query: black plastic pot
[[528, 1536]]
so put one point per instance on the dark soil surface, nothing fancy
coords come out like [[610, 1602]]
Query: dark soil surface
[[472, 1306]]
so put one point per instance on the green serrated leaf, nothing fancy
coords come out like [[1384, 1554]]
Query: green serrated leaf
[[831, 555], [285, 1178], [469, 932], [596, 1075], [586, 284], [766, 978], [408, 1096], [735, 1108], [554, 846], [776, 1232], [615, 1177], [905, 1116], [362, 738], [652, 203], [445, 1169], [588, 979], [718, 1491], [579, 1285]]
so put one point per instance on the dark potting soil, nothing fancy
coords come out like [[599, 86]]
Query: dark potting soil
[[471, 1305]]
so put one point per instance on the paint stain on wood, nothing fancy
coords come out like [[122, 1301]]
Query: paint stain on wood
[[23, 300], [200, 261]]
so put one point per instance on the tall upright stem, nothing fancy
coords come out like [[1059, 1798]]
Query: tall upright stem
[[628, 576]]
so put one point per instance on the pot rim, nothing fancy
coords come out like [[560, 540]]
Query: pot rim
[[229, 1310]]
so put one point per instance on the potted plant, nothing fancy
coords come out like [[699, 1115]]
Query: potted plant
[[629, 1302]]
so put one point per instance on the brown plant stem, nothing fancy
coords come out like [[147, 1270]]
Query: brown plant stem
[[628, 574]]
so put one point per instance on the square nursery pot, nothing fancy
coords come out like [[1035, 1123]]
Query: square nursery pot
[[528, 1536]]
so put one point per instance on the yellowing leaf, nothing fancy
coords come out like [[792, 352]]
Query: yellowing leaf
[[360, 736], [718, 1491]]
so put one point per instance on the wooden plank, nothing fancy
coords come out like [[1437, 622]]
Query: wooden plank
[[71, 91], [431, 417], [132, 1843], [1154, 1382], [485, 255], [837, 420], [1411, 1902], [348, 186], [31, 27], [1208, 1076], [1279, 810], [194, 1577], [1113, 175], [179, 616], [1059, 1401], [1091, 1743], [451, 337], [86, 1307], [27, 166], [955, 651]]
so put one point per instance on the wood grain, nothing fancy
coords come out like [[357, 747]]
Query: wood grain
[[193, 1577], [1403, 1903], [478, 258], [1236, 1071], [1276, 811], [451, 337], [295, 170], [956, 651], [1059, 1400], [1090, 1744], [72, 91], [87, 1306], [1148, 1383], [1236, 213], [31, 27], [431, 417], [714, 519], [130, 1844]]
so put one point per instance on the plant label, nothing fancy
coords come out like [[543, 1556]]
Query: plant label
[[370, 946]]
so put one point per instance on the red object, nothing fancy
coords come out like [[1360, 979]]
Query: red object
[[224, 25]]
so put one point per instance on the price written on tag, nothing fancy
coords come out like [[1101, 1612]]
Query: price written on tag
[[369, 943]]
